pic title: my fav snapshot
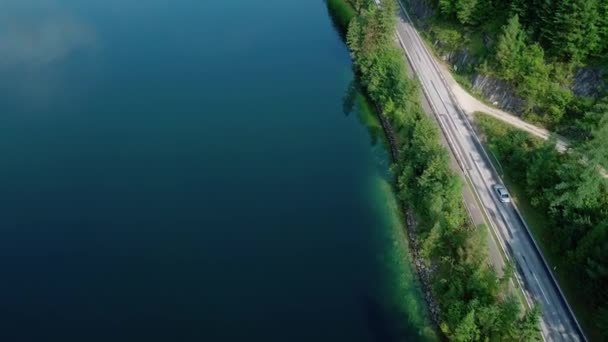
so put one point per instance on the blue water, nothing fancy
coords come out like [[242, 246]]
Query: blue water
[[184, 171]]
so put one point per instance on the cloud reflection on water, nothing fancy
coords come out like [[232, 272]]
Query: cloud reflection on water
[[37, 37], [26, 42], [40, 36]]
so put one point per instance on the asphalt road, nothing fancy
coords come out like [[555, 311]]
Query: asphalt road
[[557, 322]]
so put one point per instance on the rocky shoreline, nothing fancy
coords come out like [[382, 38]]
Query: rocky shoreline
[[424, 272]]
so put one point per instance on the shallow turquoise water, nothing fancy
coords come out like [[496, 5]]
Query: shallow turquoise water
[[184, 171]]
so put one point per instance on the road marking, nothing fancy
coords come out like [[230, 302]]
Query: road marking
[[461, 151], [541, 288], [420, 67]]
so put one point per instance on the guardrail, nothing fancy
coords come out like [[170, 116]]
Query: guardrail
[[495, 173], [465, 171]]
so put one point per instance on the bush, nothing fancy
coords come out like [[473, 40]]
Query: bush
[[475, 303]]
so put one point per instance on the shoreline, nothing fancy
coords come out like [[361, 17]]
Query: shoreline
[[422, 270], [424, 273]]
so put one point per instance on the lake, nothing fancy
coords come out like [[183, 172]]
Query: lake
[[188, 171]]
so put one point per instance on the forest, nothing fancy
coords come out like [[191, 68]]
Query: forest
[[537, 46], [475, 303], [573, 200]]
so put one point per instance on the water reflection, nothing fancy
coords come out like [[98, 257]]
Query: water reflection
[[349, 98], [354, 100], [40, 36], [36, 40]]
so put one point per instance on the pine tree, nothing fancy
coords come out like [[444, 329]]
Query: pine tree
[[529, 329], [509, 48], [595, 149], [574, 27], [353, 37], [447, 7], [467, 329], [540, 19], [602, 26], [466, 11]]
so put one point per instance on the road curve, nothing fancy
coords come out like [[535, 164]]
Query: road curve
[[557, 322]]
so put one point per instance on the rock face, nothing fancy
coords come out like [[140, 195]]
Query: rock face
[[589, 82], [425, 272], [460, 60], [420, 10], [499, 93]]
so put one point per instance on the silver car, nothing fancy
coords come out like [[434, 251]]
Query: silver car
[[503, 194]]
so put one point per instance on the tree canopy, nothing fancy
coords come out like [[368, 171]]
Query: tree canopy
[[476, 305]]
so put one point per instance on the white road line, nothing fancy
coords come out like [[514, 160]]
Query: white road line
[[540, 287]]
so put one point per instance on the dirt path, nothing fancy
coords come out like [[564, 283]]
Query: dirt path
[[471, 105]]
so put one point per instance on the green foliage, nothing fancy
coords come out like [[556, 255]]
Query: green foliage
[[542, 42], [596, 148], [474, 301], [572, 194], [342, 13], [523, 64], [570, 29], [451, 39], [447, 7], [510, 47], [467, 12], [529, 329], [602, 27], [467, 329], [602, 321], [575, 33]]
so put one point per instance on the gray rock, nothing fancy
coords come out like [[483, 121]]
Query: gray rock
[[461, 60], [420, 9], [499, 92], [589, 81], [487, 40]]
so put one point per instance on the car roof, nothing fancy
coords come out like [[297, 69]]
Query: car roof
[[501, 190]]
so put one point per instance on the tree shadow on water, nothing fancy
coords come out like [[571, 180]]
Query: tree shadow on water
[[350, 97], [354, 100], [387, 323], [338, 20]]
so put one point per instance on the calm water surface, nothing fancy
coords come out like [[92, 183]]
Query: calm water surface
[[184, 171]]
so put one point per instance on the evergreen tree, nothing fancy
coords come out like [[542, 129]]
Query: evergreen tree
[[447, 7], [528, 326], [470, 294], [602, 27], [602, 320], [509, 48], [466, 11], [596, 150], [540, 18], [574, 29], [467, 329], [592, 254], [353, 37]]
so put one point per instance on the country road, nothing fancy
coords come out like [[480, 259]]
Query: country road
[[558, 322], [470, 105]]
